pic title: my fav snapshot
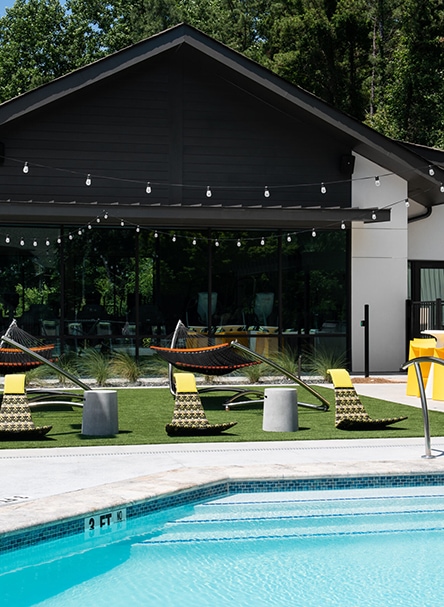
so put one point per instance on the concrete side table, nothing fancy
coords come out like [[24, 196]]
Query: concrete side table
[[100, 415], [280, 410]]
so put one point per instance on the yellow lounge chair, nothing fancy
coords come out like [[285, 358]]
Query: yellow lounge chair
[[189, 416], [15, 414], [349, 411]]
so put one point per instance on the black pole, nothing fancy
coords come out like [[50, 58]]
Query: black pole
[[366, 325]]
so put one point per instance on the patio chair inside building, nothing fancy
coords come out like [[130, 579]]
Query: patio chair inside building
[[189, 416], [15, 414], [349, 411]]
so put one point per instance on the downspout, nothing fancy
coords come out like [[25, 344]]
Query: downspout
[[421, 217]]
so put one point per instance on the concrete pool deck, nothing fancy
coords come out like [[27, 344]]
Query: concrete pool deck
[[43, 485]]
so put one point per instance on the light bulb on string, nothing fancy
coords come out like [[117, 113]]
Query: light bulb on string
[[373, 216], [262, 241], [22, 242], [377, 182], [216, 243], [323, 188], [431, 170], [79, 232], [266, 192], [407, 203], [47, 242], [342, 226], [122, 223], [34, 243], [148, 188], [441, 188], [89, 226], [174, 238], [7, 239], [239, 244], [288, 238], [105, 215], [88, 179], [194, 242], [70, 237], [59, 240], [98, 219], [209, 193], [313, 233], [156, 235], [25, 168], [138, 229]]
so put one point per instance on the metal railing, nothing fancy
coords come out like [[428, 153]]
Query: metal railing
[[425, 412]]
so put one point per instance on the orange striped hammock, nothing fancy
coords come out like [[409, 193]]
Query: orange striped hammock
[[13, 359]]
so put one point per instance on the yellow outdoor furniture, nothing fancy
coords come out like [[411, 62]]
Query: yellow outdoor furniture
[[15, 414], [349, 411]]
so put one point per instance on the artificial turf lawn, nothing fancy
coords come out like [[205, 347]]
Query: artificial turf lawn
[[144, 412]]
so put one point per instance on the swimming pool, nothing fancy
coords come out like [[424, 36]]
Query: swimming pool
[[377, 545]]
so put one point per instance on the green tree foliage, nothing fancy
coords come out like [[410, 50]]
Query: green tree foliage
[[32, 46], [411, 97]]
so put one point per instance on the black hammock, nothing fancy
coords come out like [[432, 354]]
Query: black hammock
[[13, 359], [221, 359], [211, 360]]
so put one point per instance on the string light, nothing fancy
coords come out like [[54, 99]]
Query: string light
[[26, 168], [431, 170], [266, 192], [70, 237], [313, 233], [156, 235], [80, 232], [47, 242], [89, 226], [122, 223], [209, 193], [441, 188], [373, 215], [194, 241], [174, 238], [34, 243], [22, 242], [98, 219], [377, 182], [59, 240], [323, 188], [137, 229], [105, 215], [239, 244], [262, 241], [7, 239], [216, 243], [407, 203], [342, 226], [288, 238], [88, 179]]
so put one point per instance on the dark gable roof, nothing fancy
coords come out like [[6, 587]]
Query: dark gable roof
[[408, 161]]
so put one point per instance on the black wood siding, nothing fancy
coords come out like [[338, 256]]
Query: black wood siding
[[180, 122]]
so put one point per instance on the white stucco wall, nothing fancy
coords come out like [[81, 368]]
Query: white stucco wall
[[426, 241], [379, 270]]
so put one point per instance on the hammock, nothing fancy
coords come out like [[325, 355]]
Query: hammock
[[14, 359], [218, 359]]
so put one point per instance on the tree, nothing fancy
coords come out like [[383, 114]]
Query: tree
[[32, 46], [411, 101]]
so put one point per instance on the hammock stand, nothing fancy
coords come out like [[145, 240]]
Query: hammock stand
[[221, 359]]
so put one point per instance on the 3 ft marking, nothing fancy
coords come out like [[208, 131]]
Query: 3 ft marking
[[106, 522]]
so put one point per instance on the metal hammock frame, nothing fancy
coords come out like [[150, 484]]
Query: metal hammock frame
[[193, 359]]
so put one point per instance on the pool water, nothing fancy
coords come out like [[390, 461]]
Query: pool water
[[355, 548]]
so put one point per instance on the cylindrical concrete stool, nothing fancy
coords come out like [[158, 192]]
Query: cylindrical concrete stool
[[280, 410], [100, 416]]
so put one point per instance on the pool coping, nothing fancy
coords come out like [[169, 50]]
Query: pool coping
[[58, 510]]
